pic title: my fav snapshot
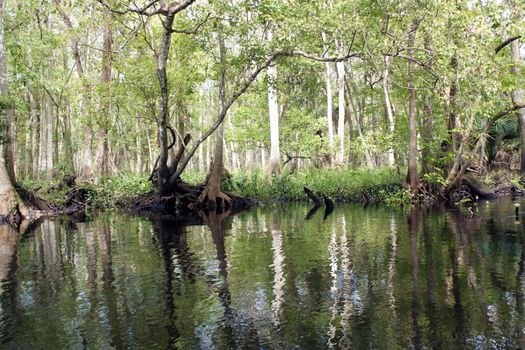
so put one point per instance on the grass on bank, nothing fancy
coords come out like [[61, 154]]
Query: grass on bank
[[350, 185], [380, 185], [109, 193]]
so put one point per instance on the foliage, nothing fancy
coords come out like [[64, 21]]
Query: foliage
[[109, 193], [341, 185], [457, 76]]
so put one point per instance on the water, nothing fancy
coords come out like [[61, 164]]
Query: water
[[370, 277]]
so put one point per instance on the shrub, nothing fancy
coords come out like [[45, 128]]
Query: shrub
[[339, 184]]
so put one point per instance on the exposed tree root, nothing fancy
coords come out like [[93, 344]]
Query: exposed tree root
[[214, 200]]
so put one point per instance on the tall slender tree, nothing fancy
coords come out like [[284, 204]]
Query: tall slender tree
[[275, 157]]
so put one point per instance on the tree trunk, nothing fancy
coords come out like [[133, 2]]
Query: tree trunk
[[389, 111], [27, 147], [413, 175], [7, 146], [49, 139], [138, 145], [56, 139], [162, 120], [329, 102], [34, 135], [201, 147], [102, 156], [68, 142], [427, 137], [275, 157], [341, 118], [213, 191], [518, 100], [11, 206], [427, 133], [42, 136], [329, 109]]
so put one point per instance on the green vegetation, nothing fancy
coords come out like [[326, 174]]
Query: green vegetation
[[103, 88], [380, 185], [342, 185], [109, 193]]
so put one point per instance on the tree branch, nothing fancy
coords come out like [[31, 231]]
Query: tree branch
[[140, 11], [506, 42], [180, 7], [246, 84], [411, 59], [144, 11], [493, 120], [195, 30], [321, 58]]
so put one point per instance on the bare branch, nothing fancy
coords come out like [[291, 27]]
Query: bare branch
[[506, 42], [180, 7], [411, 59], [140, 11], [242, 89], [320, 58], [195, 30]]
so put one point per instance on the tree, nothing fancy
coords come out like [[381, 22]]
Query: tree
[[102, 153], [413, 174], [213, 193], [11, 206], [275, 156]]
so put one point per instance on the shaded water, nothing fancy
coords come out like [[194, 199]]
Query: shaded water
[[363, 278]]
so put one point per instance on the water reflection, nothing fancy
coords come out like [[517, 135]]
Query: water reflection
[[278, 280], [360, 278]]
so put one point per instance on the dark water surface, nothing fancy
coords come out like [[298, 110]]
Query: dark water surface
[[363, 278]]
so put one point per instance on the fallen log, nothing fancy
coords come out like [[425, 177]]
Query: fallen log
[[479, 188]]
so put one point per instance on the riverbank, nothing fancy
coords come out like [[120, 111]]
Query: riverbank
[[343, 185]]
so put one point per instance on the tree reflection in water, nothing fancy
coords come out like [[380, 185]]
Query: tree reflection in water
[[372, 278]]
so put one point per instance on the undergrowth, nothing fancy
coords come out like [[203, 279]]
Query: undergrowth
[[381, 185], [109, 193]]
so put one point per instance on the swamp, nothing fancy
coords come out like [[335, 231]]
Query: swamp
[[262, 174], [373, 277]]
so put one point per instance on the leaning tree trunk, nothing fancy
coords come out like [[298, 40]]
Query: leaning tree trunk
[[11, 206], [413, 175]]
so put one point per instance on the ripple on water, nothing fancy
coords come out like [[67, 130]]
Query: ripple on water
[[365, 278]]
